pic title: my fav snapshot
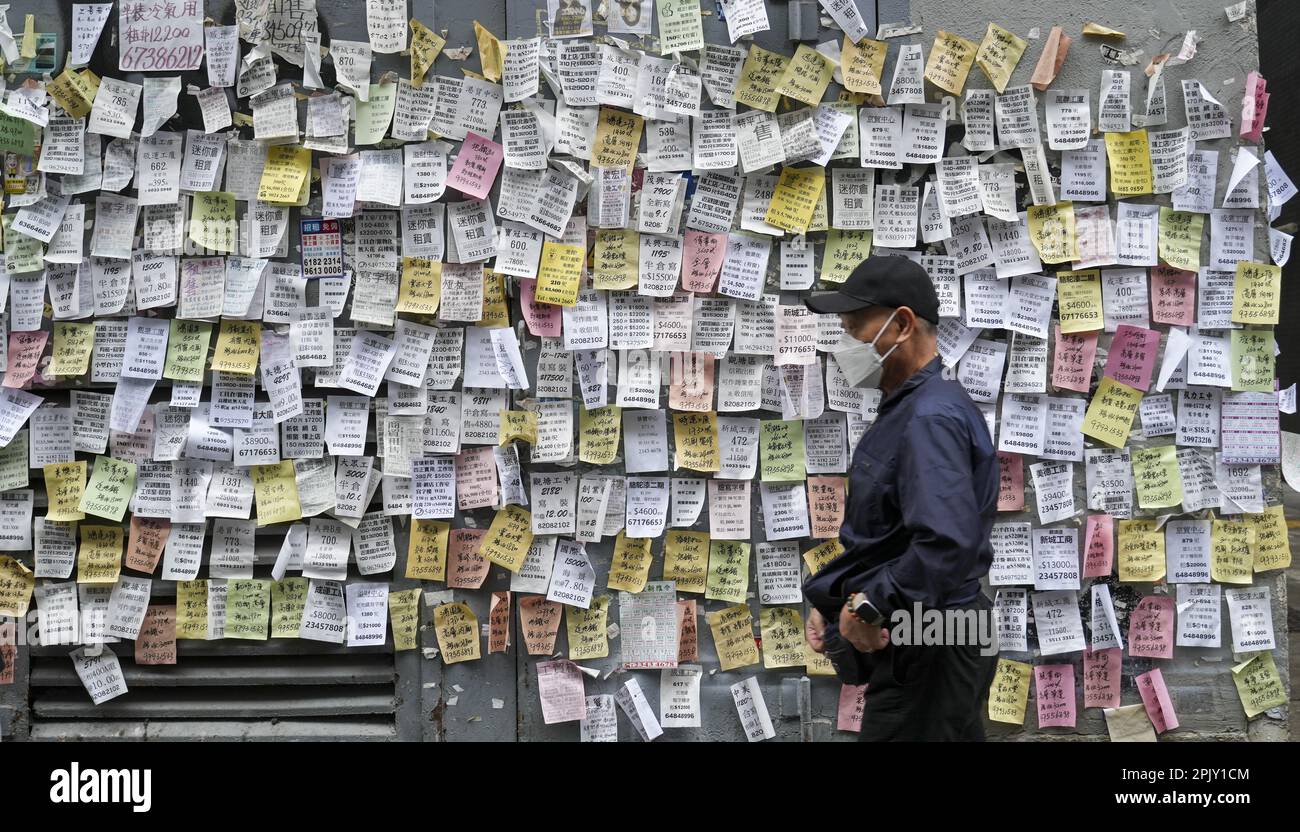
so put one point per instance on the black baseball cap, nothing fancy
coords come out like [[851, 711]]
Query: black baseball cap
[[882, 281]]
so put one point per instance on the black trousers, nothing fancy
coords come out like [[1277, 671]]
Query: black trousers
[[930, 693]]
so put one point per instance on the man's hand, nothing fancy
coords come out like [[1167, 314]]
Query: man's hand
[[862, 636], [814, 630]]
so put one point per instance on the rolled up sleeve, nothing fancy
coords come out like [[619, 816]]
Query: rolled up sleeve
[[941, 514]]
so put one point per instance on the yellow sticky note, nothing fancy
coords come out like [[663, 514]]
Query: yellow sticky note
[[425, 46], [559, 273], [1180, 239], [1009, 692], [733, 636], [822, 554], [288, 602], [99, 560], [74, 92], [286, 170], [599, 430], [950, 61], [1140, 554], [629, 567], [404, 616], [1257, 292], [806, 76], [73, 344], [844, 251], [695, 436], [276, 490], [492, 55], [517, 425], [192, 610], [1272, 546], [618, 135], [509, 537], [496, 307], [696, 440], [586, 629], [28, 50], [783, 639], [1078, 296], [112, 484], [1253, 362], [1129, 157], [238, 345], [759, 76], [426, 551], [419, 289], [781, 450], [616, 259], [1155, 474], [728, 571], [1052, 231], [998, 55], [1110, 413], [795, 198], [1258, 684], [65, 483], [187, 350], [248, 608], [1231, 561], [458, 636], [861, 64], [17, 583], [212, 221], [686, 559]]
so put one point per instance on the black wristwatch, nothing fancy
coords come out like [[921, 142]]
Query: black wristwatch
[[864, 610]]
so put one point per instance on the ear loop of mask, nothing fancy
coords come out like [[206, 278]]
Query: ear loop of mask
[[888, 321]]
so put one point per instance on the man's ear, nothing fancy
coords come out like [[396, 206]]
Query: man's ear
[[907, 322]]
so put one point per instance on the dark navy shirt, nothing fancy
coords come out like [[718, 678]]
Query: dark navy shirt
[[923, 490]]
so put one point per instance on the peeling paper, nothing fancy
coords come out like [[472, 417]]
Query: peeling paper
[[896, 30], [1102, 31], [1123, 57], [1053, 57]]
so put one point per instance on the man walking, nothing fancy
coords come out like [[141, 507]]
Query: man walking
[[922, 496]]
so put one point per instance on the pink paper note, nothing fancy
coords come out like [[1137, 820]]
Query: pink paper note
[[476, 166], [852, 700], [1072, 364], [476, 478], [1155, 696], [1173, 296], [1151, 628], [1054, 691], [1132, 356], [543, 318], [1011, 482], [702, 260], [1101, 674], [1099, 546], [1254, 107], [25, 350]]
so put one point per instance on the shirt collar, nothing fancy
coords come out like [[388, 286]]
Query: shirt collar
[[915, 380]]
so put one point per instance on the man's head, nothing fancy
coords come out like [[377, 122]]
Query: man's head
[[892, 301]]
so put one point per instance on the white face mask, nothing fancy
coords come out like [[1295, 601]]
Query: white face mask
[[861, 364]]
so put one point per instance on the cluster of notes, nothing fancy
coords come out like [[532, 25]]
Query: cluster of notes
[[561, 281]]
